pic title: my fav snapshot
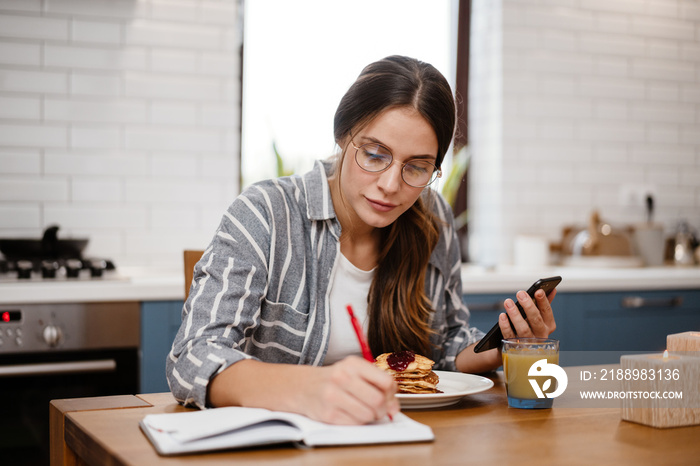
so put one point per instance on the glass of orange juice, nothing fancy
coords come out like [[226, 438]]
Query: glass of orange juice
[[529, 369]]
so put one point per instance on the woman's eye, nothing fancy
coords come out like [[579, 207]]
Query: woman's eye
[[376, 155], [416, 169]]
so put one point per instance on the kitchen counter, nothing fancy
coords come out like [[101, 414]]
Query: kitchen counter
[[132, 284], [160, 284], [479, 280]]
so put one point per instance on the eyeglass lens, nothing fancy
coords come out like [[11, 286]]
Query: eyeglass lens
[[375, 158]]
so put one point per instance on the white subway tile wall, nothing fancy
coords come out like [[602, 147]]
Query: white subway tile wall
[[574, 102], [119, 121]]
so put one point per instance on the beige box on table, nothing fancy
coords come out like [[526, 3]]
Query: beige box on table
[[661, 391], [686, 341]]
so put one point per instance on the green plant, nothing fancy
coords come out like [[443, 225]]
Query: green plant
[[460, 165], [281, 169]]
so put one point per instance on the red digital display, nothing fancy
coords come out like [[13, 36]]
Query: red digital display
[[10, 316]]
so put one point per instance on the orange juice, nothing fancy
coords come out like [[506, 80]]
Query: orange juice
[[518, 358]]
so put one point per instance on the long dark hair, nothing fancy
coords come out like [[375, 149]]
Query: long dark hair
[[398, 308]]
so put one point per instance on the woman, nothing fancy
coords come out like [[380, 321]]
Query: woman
[[265, 323]]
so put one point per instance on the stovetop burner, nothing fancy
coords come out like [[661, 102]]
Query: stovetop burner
[[51, 269]]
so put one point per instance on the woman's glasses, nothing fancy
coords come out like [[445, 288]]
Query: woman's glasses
[[374, 158]]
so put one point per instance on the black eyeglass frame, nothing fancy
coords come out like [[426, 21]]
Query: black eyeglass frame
[[437, 172]]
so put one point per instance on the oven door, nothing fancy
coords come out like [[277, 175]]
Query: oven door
[[28, 382]]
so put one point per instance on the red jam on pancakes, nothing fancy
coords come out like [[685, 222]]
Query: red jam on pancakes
[[400, 360]]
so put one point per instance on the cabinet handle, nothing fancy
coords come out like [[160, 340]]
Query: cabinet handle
[[636, 302]]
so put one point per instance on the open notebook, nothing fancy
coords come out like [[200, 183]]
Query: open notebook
[[234, 427]]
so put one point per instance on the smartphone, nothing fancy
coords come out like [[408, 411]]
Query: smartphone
[[494, 336]]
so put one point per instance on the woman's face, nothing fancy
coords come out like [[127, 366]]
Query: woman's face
[[378, 199]]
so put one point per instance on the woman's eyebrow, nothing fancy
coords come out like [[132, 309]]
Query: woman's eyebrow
[[430, 157], [371, 139]]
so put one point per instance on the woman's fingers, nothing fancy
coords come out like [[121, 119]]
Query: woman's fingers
[[535, 322], [521, 326], [539, 317], [544, 304], [356, 392], [504, 324]]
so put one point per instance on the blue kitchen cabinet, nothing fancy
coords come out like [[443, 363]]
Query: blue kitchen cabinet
[[160, 321], [624, 322], [599, 327]]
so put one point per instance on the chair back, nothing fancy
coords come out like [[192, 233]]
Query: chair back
[[191, 258]]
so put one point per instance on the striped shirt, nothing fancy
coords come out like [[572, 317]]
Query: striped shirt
[[261, 289]]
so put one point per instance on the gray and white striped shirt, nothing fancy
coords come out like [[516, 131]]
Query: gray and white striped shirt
[[262, 286]]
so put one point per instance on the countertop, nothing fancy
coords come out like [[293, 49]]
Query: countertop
[[167, 284], [476, 280], [131, 284]]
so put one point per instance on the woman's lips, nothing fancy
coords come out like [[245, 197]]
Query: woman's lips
[[380, 206]]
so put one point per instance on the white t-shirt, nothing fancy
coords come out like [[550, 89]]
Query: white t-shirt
[[350, 286]]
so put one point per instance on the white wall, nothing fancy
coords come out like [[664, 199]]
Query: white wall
[[119, 119], [575, 105], [119, 122]]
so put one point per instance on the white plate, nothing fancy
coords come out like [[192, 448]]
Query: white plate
[[454, 387]]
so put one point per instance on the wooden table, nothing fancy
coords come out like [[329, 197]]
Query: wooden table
[[480, 429]]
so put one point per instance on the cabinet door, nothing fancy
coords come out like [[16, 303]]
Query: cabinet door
[[631, 321], [160, 321]]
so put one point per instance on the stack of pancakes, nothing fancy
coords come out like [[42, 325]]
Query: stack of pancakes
[[411, 376]]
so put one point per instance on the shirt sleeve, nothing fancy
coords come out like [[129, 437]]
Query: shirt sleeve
[[223, 307]]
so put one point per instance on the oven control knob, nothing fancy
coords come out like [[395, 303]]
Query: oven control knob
[[52, 335]]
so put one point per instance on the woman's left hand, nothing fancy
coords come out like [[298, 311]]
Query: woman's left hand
[[539, 324], [540, 319]]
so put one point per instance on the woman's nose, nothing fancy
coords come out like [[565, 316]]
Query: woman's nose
[[390, 180]]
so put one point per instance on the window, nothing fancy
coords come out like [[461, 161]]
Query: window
[[300, 58]]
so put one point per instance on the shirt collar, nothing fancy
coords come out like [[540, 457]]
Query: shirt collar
[[319, 204]]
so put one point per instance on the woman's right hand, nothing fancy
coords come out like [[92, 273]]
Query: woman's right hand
[[351, 391]]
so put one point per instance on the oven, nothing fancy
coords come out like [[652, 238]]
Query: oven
[[57, 350], [52, 351]]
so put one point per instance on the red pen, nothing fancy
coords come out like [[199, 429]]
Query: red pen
[[366, 353]]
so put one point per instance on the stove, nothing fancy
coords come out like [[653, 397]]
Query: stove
[[51, 259], [57, 270]]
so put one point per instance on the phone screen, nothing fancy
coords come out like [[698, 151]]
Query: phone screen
[[494, 336]]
